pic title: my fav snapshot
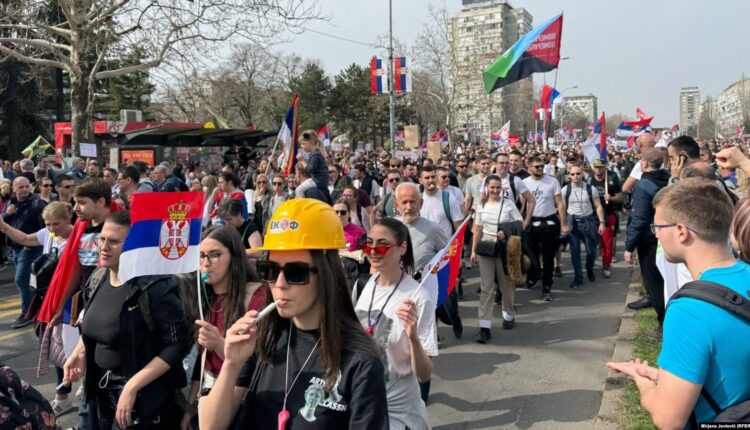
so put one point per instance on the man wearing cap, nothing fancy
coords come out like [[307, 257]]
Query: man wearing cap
[[608, 186], [639, 235]]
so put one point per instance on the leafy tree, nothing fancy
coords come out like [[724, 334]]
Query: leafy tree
[[314, 89]]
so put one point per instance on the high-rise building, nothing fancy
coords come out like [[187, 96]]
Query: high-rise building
[[478, 35], [690, 101], [575, 107], [732, 108]]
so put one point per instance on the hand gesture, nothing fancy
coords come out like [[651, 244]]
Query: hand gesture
[[731, 158], [11, 209], [124, 412], [209, 336], [239, 344], [676, 167], [407, 313], [74, 368]]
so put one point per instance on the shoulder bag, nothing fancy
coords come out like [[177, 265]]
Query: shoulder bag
[[491, 248]]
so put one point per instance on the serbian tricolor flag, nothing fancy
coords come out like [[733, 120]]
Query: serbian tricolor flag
[[401, 75], [549, 96], [537, 51], [440, 136], [740, 130], [165, 234], [640, 114], [378, 76], [440, 275], [324, 136], [630, 128], [288, 134], [595, 147]]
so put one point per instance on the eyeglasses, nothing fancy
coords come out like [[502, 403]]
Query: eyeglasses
[[113, 243], [461, 166], [378, 250], [575, 174], [656, 227], [341, 212], [212, 257], [68, 186], [393, 180], [295, 272]]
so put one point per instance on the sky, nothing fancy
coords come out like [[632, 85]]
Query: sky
[[628, 54]]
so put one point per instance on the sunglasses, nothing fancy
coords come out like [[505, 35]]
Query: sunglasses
[[462, 166], [342, 212], [295, 272], [278, 183], [392, 180], [395, 166], [46, 185], [537, 167], [378, 250], [575, 174]]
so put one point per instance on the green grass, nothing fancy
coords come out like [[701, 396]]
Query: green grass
[[646, 348]]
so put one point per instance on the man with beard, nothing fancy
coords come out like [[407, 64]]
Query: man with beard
[[516, 165]]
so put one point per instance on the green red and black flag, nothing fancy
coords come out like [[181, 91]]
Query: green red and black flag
[[537, 51]]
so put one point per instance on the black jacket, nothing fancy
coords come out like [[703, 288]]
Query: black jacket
[[642, 213], [169, 340]]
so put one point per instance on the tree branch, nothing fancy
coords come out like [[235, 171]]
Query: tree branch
[[33, 60]]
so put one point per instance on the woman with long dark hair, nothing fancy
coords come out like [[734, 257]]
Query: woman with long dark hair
[[400, 316], [309, 361], [231, 289]]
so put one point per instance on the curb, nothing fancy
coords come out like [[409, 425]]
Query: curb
[[610, 409]]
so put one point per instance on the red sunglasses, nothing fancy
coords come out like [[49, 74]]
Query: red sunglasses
[[379, 250]]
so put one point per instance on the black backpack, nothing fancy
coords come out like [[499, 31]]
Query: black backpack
[[729, 300], [589, 188]]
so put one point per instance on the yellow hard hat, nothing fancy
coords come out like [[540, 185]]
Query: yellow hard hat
[[303, 224]]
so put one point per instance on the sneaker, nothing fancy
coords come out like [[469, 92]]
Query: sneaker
[[507, 325], [607, 272], [61, 407], [458, 328], [590, 275], [575, 284], [642, 303], [547, 294], [21, 321], [484, 335], [558, 272], [531, 284]]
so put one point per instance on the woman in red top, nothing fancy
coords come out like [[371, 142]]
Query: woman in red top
[[231, 289]]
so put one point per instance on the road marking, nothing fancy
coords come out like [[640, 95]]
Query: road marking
[[9, 313], [10, 303], [16, 334]]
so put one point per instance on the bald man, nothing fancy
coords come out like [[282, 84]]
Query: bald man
[[24, 212], [644, 142]]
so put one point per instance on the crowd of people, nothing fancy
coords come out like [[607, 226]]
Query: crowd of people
[[339, 247]]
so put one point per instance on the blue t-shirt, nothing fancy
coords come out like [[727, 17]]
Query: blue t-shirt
[[705, 344]]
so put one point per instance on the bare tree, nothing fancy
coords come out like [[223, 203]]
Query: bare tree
[[94, 32]]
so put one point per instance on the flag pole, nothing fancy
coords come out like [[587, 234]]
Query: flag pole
[[444, 250], [392, 94]]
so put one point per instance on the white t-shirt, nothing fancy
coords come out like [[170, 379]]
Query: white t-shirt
[[456, 193], [636, 172], [472, 187], [544, 192], [43, 236], [405, 407], [579, 203], [508, 191], [433, 210], [487, 216]]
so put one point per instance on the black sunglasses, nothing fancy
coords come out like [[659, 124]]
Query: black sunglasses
[[340, 212], [295, 272]]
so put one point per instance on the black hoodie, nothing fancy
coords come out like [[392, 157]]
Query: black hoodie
[[642, 213]]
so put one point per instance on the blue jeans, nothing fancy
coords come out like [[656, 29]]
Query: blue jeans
[[591, 243], [23, 259]]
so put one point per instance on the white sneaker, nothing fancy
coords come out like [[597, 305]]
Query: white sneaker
[[61, 407], [79, 391]]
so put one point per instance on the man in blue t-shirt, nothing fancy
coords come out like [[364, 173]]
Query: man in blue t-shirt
[[703, 344]]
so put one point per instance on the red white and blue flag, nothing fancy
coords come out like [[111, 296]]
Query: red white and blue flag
[[441, 273], [634, 128], [325, 136], [164, 235], [640, 114], [440, 136], [675, 128], [740, 130], [595, 147], [378, 76], [288, 135], [401, 75]]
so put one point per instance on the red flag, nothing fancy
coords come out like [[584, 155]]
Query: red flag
[[640, 114]]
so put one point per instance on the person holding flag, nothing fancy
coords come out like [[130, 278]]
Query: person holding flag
[[400, 316], [492, 213]]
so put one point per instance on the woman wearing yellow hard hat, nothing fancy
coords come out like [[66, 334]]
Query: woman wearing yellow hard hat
[[308, 363]]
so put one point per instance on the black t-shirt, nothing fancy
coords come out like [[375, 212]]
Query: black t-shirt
[[357, 400], [246, 230], [523, 174], [613, 188], [102, 324]]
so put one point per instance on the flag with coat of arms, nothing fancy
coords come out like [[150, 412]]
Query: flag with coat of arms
[[164, 235], [440, 275], [324, 136]]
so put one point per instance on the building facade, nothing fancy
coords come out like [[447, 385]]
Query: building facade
[[580, 107], [690, 101], [732, 108], [478, 35]]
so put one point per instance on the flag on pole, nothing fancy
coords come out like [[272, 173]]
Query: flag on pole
[[288, 135], [378, 76], [740, 130], [549, 97], [537, 51], [504, 133], [495, 138], [401, 75], [629, 128], [325, 136], [675, 128], [440, 275], [164, 235], [595, 147], [440, 136]]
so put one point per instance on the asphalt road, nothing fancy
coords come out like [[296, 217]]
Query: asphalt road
[[546, 373]]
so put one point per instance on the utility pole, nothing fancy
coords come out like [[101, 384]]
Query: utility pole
[[392, 104]]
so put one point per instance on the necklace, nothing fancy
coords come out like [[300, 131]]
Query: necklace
[[284, 414], [370, 324], [708, 266]]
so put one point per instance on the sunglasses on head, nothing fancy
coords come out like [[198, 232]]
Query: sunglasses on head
[[379, 250], [295, 272]]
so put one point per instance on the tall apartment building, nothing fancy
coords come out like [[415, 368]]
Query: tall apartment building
[[732, 107], [580, 106], [478, 35], [690, 101]]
